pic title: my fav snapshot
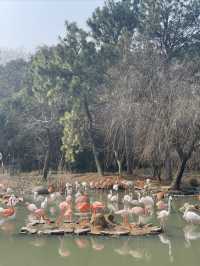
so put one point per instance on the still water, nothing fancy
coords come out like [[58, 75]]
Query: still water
[[180, 245]]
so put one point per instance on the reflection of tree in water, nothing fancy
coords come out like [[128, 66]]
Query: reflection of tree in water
[[165, 240], [190, 234]]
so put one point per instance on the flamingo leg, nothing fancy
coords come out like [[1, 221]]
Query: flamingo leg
[[126, 221], [60, 219], [139, 221]]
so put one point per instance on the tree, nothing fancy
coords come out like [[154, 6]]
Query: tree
[[116, 17], [87, 73], [47, 103], [173, 25]]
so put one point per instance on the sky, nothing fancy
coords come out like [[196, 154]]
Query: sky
[[27, 24]]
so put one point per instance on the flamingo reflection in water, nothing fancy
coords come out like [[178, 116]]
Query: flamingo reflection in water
[[38, 242], [62, 251], [81, 243], [96, 246], [138, 253], [190, 234], [8, 228], [166, 241]]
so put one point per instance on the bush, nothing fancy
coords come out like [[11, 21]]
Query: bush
[[194, 182]]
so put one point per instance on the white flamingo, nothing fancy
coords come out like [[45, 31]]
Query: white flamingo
[[44, 203], [164, 214], [191, 217], [37, 197]]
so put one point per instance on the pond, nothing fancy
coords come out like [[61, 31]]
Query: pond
[[180, 245]]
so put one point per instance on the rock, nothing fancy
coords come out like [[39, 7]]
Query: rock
[[26, 230], [115, 232], [98, 230], [51, 232], [42, 190], [81, 231], [99, 220]]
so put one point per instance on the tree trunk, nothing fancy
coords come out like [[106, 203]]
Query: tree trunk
[[97, 161], [119, 164], [177, 181], [157, 171], [47, 157], [92, 139], [129, 157], [168, 169], [46, 165]]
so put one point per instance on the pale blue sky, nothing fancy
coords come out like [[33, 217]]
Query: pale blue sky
[[30, 23]]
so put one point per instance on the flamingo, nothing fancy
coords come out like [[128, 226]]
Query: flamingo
[[160, 195], [37, 197], [110, 195], [147, 185], [92, 185], [97, 206], [161, 205], [116, 187], [114, 198], [9, 190], [191, 217], [139, 211], [81, 198], [55, 196], [78, 194], [38, 213], [190, 206], [68, 189], [124, 213], [65, 210], [147, 201], [84, 207], [77, 185], [84, 185], [164, 214], [51, 188], [44, 203], [8, 213], [127, 199]]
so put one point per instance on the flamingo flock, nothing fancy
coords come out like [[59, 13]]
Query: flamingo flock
[[137, 206]]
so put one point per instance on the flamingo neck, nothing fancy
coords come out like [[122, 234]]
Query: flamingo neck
[[169, 206], [186, 210], [139, 196]]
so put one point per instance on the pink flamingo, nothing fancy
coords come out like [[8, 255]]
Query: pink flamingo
[[38, 213], [84, 207], [8, 213], [97, 206], [65, 210], [161, 205], [124, 213], [140, 212]]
